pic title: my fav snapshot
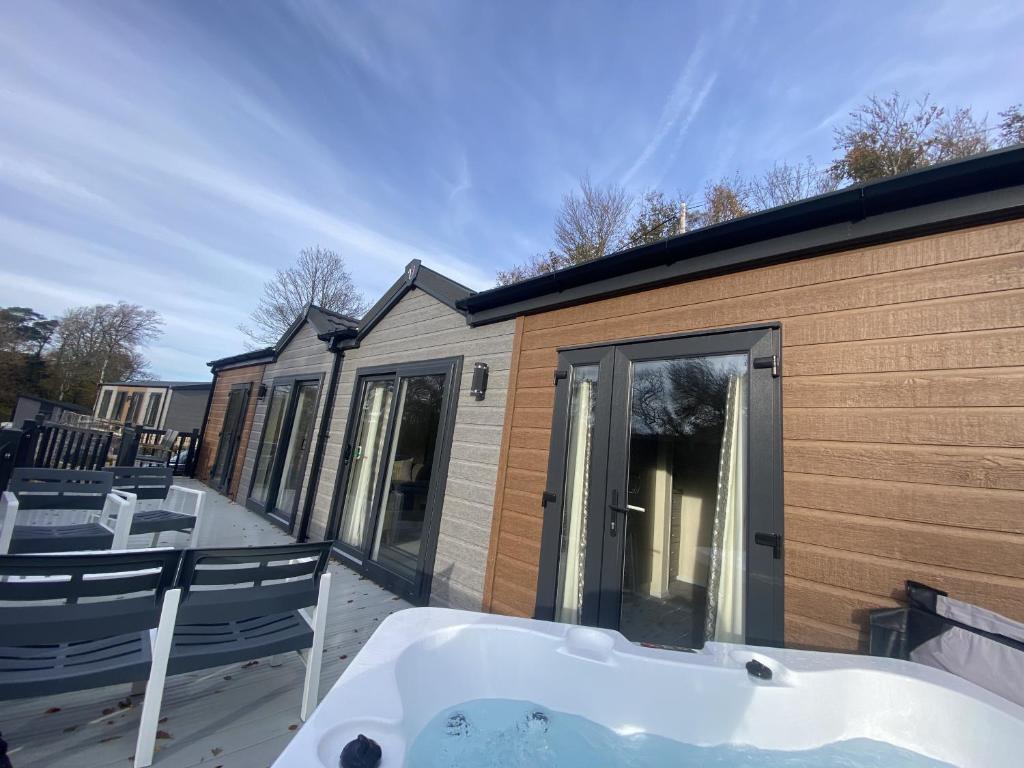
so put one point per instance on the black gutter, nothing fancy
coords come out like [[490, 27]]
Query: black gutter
[[244, 357], [984, 188], [321, 446]]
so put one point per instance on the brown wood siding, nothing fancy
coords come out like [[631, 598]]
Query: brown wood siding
[[252, 374], [903, 422]]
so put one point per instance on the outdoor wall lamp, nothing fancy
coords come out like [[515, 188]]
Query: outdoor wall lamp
[[262, 392], [479, 386]]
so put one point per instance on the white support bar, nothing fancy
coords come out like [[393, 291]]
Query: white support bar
[[146, 743], [191, 502], [9, 505], [311, 689], [123, 506]]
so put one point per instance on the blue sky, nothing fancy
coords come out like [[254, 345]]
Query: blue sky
[[174, 154]]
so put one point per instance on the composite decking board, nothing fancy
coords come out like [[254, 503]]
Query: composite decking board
[[902, 374], [246, 717]]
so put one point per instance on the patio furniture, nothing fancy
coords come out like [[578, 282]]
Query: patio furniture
[[85, 620], [186, 612], [157, 454], [71, 510], [179, 509]]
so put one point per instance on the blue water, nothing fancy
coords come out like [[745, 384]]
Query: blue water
[[493, 733]]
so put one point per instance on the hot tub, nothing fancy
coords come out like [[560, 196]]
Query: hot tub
[[425, 662]]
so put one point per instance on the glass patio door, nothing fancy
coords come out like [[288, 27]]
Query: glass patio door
[[293, 467], [230, 436], [395, 461], [666, 524], [284, 449]]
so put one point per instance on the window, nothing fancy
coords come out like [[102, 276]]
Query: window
[[394, 470], [101, 412], [153, 409]]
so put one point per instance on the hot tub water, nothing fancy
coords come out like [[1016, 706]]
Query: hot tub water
[[505, 733]]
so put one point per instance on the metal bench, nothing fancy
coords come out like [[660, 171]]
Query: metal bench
[[71, 510], [180, 510], [72, 622]]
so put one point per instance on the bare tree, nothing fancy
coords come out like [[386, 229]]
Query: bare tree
[[319, 277], [1011, 126], [591, 221], [788, 182], [101, 343], [589, 224], [891, 135]]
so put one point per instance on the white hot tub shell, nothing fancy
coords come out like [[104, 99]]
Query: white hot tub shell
[[425, 660]]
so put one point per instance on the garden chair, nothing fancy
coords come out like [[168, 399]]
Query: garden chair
[[77, 621], [178, 509], [68, 510]]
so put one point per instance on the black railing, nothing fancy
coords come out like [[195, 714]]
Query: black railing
[[60, 446], [144, 446]]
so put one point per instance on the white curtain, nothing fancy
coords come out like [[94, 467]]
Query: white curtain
[[724, 621], [574, 516], [357, 503]]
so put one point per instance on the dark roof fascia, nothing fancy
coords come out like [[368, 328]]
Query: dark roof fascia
[[323, 330], [59, 403], [984, 189], [253, 357], [444, 289], [197, 385]]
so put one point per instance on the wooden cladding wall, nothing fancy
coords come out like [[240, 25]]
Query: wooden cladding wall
[[903, 422], [252, 374]]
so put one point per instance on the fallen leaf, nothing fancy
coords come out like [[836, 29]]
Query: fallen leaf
[[162, 720], [51, 710], [108, 738], [293, 727], [343, 656], [109, 722], [216, 751], [248, 664], [163, 735], [71, 728], [124, 703], [108, 711]]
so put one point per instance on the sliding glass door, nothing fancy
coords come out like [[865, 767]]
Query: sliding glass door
[[666, 523], [284, 449], [394, 470]]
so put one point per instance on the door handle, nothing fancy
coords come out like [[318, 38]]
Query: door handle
[[773, 540], [613, 523]]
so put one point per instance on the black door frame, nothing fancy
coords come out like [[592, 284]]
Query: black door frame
[[416, 591], [236, 437], [764, 600], [267, 509]]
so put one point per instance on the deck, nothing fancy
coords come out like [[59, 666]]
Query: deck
[[240, 716]]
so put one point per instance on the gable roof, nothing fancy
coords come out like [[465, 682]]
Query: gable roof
[[326, 323], [444, 289], [981, 189]]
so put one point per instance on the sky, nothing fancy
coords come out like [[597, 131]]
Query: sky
[[174, 154]]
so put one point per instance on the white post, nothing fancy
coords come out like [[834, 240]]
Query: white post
[[682, 217], [125, 512], [9, 504], [146, 743], [311, 689]]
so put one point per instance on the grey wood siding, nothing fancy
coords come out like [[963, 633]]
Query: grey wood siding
[[421, 328], [304, 354]]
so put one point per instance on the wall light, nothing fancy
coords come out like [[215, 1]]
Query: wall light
[[479, 387], [262, 392]]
